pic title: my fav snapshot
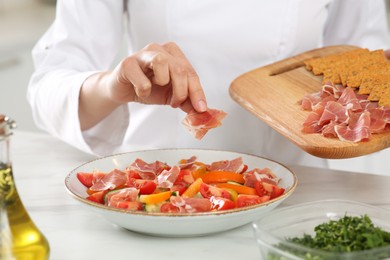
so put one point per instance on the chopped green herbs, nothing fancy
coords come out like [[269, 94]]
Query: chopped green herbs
[[348, 234]]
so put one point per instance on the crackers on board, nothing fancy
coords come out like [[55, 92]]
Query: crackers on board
[[367, 71]]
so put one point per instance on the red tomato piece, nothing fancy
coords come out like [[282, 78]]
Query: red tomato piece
[[268, 189], [180, 187], [168, 207], [221, 203], [261, 191], [244, 169], [85, 178], [185, 175], [98, 197], [244, 200], [144, 186], [89, 178], [129, 205], [276, 190], [207, 191]]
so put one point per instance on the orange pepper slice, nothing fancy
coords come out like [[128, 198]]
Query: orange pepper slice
[[193, 189], [241, 189], [155, 197], [222, 176], [90, 192], [201, 169]]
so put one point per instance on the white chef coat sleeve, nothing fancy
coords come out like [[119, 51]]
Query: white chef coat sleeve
[[357, 22], [84, 38]]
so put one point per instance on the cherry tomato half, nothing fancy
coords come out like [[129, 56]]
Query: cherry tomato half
[[144, 186], [244, 200]]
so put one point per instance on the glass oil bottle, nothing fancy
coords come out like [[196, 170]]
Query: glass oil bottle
[[20, 239]]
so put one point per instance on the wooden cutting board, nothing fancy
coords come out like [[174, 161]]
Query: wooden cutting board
[[273, 92]]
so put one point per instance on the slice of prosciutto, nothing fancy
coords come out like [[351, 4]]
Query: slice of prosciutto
[[191, 205], [110, 181], [167, 178], [235, 165], [357, 130], [344, 114], [264, 175], [147, 171], [198, 124]]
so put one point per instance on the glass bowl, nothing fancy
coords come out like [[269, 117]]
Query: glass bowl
[[272, 229]]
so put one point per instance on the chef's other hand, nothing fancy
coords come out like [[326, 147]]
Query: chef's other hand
[[157, 74]]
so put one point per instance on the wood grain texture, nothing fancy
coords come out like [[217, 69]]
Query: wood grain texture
[[273, 93]]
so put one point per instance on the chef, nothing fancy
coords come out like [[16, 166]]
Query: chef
[[116, 76]]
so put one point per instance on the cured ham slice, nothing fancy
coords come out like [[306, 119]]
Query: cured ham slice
[[191, 205], [310, 100], [328, 93], [333, 111], [329, 130], [264, 175], [311, 124], [147, 171], [235, 165], [331, 90], [349, 100], [187, 163], [357, 131], [110, 181], [167, 178], [342, 113], [378, 120], [125, 194], [198, 124]]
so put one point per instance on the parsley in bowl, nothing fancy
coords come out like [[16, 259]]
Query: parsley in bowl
[[324, 230]]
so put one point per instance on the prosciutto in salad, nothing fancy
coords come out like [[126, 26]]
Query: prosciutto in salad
[[187, 187]]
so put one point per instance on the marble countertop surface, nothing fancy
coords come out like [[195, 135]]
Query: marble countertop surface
[[41, 163]]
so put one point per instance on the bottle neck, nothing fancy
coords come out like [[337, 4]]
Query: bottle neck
[[7, 186], [5, 157], [6, 129]]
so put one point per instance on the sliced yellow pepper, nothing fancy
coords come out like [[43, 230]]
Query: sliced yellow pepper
[[155, 197], [193, 189]]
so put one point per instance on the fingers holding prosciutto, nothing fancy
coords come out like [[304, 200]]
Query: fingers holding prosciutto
[[158, 74]]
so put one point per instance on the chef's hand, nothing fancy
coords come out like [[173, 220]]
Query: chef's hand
[[157, 74]]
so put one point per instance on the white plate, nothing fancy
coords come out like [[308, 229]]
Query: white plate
[[184, 224]]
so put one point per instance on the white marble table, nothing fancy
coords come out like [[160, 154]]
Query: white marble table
[[41, 163]]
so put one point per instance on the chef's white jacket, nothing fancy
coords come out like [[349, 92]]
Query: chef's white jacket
[[221, 38]]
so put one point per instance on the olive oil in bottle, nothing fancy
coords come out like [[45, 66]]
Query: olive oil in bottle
[[19, 236]]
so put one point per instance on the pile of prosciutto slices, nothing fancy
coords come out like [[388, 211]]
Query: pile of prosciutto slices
[[340, 112]]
